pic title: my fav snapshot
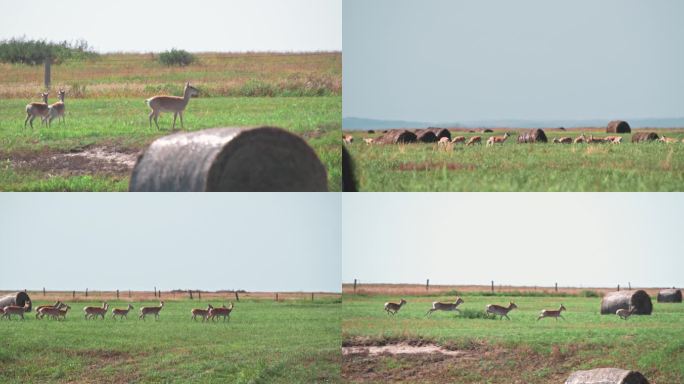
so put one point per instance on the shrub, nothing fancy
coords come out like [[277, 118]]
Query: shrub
[[177, 57], [588, 293], [35, 52]]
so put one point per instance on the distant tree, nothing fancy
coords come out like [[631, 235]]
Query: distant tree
[[177, 57]]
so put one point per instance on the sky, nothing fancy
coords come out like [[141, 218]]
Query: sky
[[251, 241], [454, 61], [532, 239], [159, 25]]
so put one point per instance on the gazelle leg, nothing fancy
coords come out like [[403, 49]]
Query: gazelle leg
[[151, 115], [174, 120], [156, 116], [28, 116], [181, 118]]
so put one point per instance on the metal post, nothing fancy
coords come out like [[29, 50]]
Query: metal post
[[427, 284], [48, 62]]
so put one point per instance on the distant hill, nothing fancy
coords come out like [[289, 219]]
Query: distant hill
[[353, 123]]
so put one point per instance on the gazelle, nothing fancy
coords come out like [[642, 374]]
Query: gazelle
[[57, 109], [625, 313], [93, 312], [203, 313], [563, 140], [175, 104], [347, 139], [55, 312], [121, 312], [393, 308], [617, 140], [437, 306], [221, 312], [473, 140], [10, 310], [458, 139], [592, 140], [499, 310], [551, 313], [580, 139], [668, 140], [57, 304], [497, 139], [144, 311], [369, 140], [34, 110]]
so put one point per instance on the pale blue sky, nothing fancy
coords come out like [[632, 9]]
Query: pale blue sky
[[575, 239], [252, 241], [451, 61], [199, 26]]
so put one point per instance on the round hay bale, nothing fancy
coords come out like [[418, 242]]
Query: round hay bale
[[487, 130], [638, 299], [670, 296], [18, 298], [426, 136], [606, 376], [644, 136], [536, 135], [348, 179], [441, 132], [370, 131], [397, 136], [618, 126], [230, 159]]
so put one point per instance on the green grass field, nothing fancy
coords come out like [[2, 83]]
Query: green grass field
[[522, 350], [521, 167], [265, 341], [33, 159]]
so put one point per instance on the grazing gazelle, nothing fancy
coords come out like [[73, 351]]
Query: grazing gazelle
[[497, 139], [369, 140], [10, 310], [55, 312], [144, 311], [203, 313], [348, 139], [563, 140], [617, 140], [175, 104], [437, 306], [34, 110], [474, 139], [592, 140], [57, 109], [221, 312], [121, 312], [499, 310], [57, 304], [580, 139], [458, 139], [625, 313], [93, 312], [552, 313], [393, 308], [668, 140]]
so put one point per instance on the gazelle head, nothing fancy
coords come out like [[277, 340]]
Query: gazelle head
[[507, 134], [189, 89], [562, 308], [459, 300], [60, 95], [161, 303], [67, 307], [512, 305], [44, 96], [402, 302], [130, 307], [209, 307]]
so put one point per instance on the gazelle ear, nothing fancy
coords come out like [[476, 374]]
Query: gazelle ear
[[187, 83]]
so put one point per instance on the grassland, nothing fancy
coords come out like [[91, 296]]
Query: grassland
[[107, 125], [522, 350], [265, 341], [521, 167]]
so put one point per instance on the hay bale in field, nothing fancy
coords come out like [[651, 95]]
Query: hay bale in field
[[348, 179], [670, 296], [370, 131], [618, 126], [487, 130], [440, 132], [644, 136], [536, 135], [426, 136], [638, 299], [230, 159], [397, 136], [18, 298], [606, 376]]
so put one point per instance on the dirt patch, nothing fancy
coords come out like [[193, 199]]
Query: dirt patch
[[432, 165], [401, 349], [98, 359], [101, 160]]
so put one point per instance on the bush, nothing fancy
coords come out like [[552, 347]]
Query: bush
[[177, 57], [35, 52], [588, 293]]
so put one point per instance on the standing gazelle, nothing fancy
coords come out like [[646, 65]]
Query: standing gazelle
[[144, 311], [625, 313], [57, 109], [223, 311], [497, 139], [499, 310], [175, 104], [552, 313], [393, 308], [437, 306], [93, 312], [203, 313], [121, 312], [34, 110]]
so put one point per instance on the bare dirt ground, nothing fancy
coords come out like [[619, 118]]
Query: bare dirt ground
[[102, 160]]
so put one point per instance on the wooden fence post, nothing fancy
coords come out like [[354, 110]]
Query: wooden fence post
[[86, 292], [73, 294], [354, 285], [129, 293], [43, 291], [618, 287], [556, 287], [48, 62], [236, 296], [312, 296], [117, 294], [492, 286], [427, 284], [199, 295], [190, 292], [276, 296]]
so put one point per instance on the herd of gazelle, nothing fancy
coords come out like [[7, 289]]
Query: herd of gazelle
[[59, 310], [158, 104], [496, 310]]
